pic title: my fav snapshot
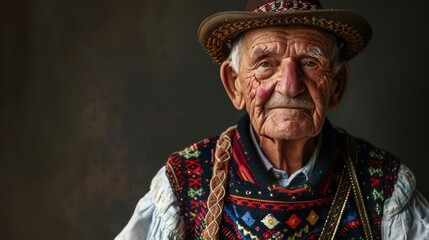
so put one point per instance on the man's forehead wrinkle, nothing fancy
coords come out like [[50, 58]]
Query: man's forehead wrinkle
[[255, 39], [272, 43], [261, 50], [311, 51], [273, 48]]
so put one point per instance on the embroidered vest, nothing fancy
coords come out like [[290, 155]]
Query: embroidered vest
[[256, 208]]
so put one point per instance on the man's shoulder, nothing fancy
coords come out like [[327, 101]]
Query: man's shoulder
[[376, 153], [189, 168], [369, 150]]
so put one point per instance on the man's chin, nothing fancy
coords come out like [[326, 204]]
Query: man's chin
[[284, 133]]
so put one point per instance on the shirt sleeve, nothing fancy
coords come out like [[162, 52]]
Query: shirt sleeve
[[406, 212], [156, 215]]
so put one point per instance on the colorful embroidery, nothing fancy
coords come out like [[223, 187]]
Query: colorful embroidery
[[191, 154], [312, 218], [247, 218], [373, 171], [192, 193], [272, 235], [277, 236], [378, 208], [300, 233], [377, 154], [270, 221], [246, 232], [294, 221], [277, 205], [377, 194]]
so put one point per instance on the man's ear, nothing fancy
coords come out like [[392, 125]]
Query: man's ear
[[340, 81], [232, 84]]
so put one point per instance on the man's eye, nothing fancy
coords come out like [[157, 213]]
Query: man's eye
[[309, 64], [264, 64]]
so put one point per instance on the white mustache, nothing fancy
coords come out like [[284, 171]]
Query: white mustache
[[280, 101]]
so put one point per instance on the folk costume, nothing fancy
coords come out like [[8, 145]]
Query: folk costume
[[224, 187], [257, 206]]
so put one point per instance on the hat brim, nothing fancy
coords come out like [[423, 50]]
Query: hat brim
[[217, 32]]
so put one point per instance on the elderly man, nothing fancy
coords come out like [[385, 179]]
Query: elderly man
[[283, 172]]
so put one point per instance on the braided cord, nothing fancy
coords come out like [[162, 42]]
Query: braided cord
[[218, 185]]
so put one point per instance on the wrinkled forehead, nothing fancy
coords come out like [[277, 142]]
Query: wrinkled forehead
[[288, 35]]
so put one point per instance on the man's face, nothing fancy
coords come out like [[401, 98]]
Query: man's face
[[286, 80]]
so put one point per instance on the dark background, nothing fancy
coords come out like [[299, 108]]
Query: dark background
[[96, 94]]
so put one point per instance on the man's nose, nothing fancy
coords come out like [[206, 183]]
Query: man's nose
[[290, 83]]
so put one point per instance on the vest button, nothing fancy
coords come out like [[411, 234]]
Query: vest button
[[277, 175]]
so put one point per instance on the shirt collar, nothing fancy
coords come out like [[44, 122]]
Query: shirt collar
[[306, 170]]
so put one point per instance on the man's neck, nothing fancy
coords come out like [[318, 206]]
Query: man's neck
[[288, 155]]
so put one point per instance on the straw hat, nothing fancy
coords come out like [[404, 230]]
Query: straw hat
[[217, 32]]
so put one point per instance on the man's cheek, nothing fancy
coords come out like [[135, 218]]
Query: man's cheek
[[263, 93], [251, 87]]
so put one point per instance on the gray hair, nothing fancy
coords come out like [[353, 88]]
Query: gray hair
[[234, 55]]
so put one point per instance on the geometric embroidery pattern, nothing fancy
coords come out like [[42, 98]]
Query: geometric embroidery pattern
[[299, 234], [377, 154], [275, 205], [248, 219], [312, 218], [277, 236], [192, 192], [192, 154], [373, 171], [270, 221], [377, 194], [378, 208], [272, 235], [293, 221], [246, 232]]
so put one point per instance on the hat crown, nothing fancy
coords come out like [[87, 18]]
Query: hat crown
[[281, 6]]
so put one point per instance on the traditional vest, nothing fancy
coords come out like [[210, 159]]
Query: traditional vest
[[256, 208]]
